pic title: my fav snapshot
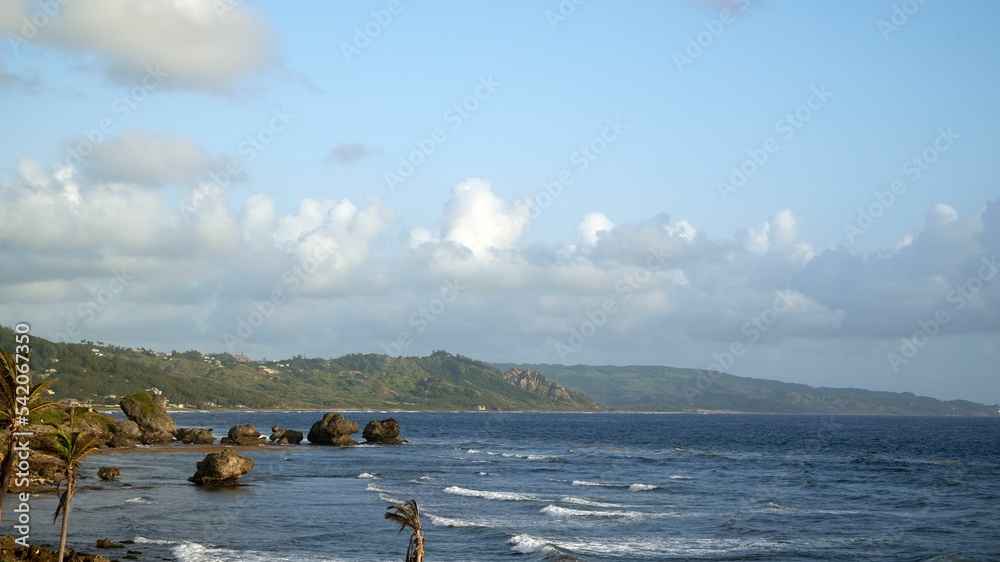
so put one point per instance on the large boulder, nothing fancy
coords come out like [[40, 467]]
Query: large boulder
[[382, 432], [108, 473], [242, 435], [221, 469], [125, 434], [285, 436], [196, 436], [150, 414], [333, 429]]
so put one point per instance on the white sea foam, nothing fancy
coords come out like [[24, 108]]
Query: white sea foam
[[146, 501], [586, 483], [452, 522], [642, 488], [369, 476], [646, 547], [383, 494], [488, 495], [194, 552], [556, 511], [527, 544], [591, 503], [682, 477], [144, 540]]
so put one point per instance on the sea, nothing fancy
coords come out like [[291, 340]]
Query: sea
[[542, 486]]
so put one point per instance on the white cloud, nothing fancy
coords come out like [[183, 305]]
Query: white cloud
[[144, 158], [196, 45], [590, 228], [354, 276], [482, 222]]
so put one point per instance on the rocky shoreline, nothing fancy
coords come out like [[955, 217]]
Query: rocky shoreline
[[149, 428], [11, 551]]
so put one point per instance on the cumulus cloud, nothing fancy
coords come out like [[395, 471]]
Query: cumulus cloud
[[351, 153], [477, 219], [196, 45], [351, 276], [590, 228]]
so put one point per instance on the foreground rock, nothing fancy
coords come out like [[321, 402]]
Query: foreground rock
[[10, 551], [285, 436], [221, 469], [107, 543], [384, 432], [125, 434], [109, 473], [244, 435], [150, 414], [196, 436], [333, 429]]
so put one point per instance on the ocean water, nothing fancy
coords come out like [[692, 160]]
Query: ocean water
[[508, 486]]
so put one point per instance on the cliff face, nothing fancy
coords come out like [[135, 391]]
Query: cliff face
[[534, 381]]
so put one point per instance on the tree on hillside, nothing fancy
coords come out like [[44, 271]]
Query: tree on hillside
[[14, 409], [408, 515]]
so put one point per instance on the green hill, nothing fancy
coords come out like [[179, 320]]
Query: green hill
[[666, 389], [101, 374], [97, 373]]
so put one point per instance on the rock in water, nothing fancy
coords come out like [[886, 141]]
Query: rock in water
[[196, 436], [108, 473], [150, 414], [285, 436], [242, 435], [333, 429], [384, 432], [221, 469], [124, 434]]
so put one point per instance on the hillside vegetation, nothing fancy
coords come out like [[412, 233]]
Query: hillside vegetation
[[667, 389], [101, 374], [96, 373]]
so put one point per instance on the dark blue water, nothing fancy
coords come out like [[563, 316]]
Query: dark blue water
[[590, 486]]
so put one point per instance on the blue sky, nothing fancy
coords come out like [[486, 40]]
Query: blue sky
[[316, 114]]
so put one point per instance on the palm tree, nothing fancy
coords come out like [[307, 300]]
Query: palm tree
[[14, 409], [408, 515], [69, 448]]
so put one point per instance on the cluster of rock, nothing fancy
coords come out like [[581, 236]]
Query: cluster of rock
[[285, 436], [195, 436]]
